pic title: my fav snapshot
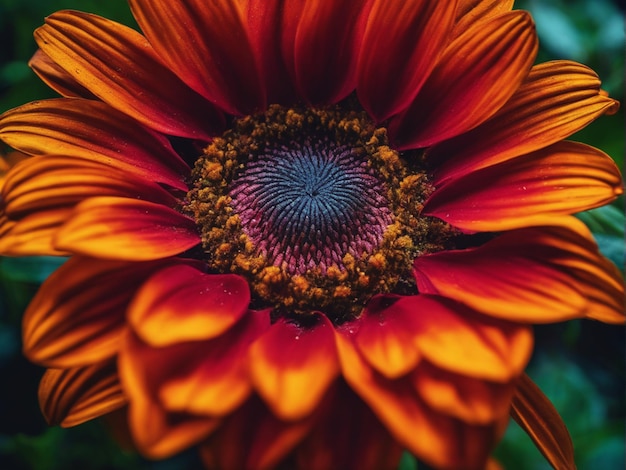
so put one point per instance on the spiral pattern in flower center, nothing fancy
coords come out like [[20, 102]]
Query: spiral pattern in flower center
[[307, 206], [314, 208]]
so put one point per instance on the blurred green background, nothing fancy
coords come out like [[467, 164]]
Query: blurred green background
[[580, 365]]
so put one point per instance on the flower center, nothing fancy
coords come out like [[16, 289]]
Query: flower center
[[305, 207], [314, 208]]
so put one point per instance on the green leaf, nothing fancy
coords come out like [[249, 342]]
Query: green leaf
[[407, 462], [606, 220], [32, 269]]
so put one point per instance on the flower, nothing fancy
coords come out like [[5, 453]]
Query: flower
[[309, 234]]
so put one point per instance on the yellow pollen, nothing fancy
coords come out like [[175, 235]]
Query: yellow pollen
[[340, 290]]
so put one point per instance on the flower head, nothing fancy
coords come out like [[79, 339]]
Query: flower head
[[308, 234]]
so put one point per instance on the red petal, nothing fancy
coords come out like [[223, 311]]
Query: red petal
[[384, 341], [437, 439], [565, 178], [95, 131], [126, 229], [72, 396], [324, 48], [78, 315], [348, 437], [269, 31], [207, 378], [48, 182], [457, 339], [388, 79], [538, 275], [181, 303], [291, 366], [156, 432], [557, 99], [535, 414], [56, 77], [476, 75], [117, 64], [252, 438], [206, 45]]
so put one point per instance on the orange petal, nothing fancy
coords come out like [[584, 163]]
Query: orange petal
[[56, 77], [538, 275], [457, 339], [291, 366], [535, 414], [349, 437], [599, 279], [117, 64], [557, 99], [72, 396], [73, 320], [476, 75], [388, 79], [325, 46], [475, 401], [253, 438], [50, 181], [469, 12], [437, 439], [32, 235], [157, 433], [182, 303], [95, 131], [384, 341], [126, 229], [565, 178], [211, 377], [206, 45]]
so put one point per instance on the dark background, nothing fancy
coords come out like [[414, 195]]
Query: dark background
[[580, 365]]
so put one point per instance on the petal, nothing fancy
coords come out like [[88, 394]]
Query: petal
[[291, 367], [78, 314], [270, 30], [117, 64], [388, 80], [206, 45], [32, 235], [56, 77], [72, 396], [126, 229], [557, 99], [48, 182], [252, 438], [535, 414], [475, 401], [95, 131], [469, 12], [156, 432], [439, 440], [8, 160], [383, 340], [325, 47], [565, 178], [599, 279], [349, 437], [182, 303], [476, 75], [206, 378], [538, 275], [459, 340]]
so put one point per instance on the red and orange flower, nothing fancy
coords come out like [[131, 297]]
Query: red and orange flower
[[379, 206]]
